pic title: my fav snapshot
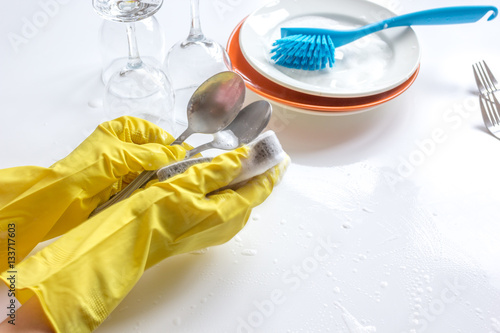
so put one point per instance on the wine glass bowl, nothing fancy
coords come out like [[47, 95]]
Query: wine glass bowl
[[144, 92], [205, 58], [126, 10]]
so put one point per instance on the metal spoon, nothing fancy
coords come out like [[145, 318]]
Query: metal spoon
[[247, 125], [214, 104], [211, 108]]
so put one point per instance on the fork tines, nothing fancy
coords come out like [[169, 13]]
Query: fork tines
[[485, 80], [490, 110]]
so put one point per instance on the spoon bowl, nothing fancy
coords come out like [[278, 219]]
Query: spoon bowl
[[214, 104], [247, 126]]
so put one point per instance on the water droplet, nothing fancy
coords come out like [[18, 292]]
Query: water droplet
[[301, 227], [336, 290], [329, 274], [256, 217], [309, 235], [249, 252], [346, 225], [383, 284], [204, 300], [283, 221], [95, 103]]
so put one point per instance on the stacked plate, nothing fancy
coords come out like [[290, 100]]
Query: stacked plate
[[366, 73]]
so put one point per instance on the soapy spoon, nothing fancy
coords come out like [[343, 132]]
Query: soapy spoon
[[214, 104], [247, 125], [211, 108]]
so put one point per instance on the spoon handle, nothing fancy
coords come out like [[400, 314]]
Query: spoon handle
[[199, 149], [187, 133]]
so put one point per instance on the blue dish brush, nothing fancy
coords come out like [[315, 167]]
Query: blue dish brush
[[314, 49]]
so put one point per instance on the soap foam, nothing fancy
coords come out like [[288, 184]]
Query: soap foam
[[265, 153]]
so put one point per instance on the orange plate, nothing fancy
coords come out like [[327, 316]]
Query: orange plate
[[274, 92]]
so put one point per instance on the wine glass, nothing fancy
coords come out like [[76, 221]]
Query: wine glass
[[138, 89], [113, 46], [192, 61]]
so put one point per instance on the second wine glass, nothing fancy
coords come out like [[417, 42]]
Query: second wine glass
[[192, 61], [138, 89]]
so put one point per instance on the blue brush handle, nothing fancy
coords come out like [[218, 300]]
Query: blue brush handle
[[437, 16]]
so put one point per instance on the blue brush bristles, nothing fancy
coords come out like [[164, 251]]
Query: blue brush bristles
[[307, 52]]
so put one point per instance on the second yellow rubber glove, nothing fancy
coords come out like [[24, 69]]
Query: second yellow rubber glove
[[44, 203], [80, 278]]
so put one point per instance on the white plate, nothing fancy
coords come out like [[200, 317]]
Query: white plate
[[371, 65]]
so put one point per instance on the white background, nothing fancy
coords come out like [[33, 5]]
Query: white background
[[376, 226]]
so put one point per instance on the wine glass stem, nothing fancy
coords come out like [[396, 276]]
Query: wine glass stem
[[195, 32], [134, 60]]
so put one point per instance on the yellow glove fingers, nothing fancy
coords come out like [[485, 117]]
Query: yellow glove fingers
[[136, 130], [136, 158], [145, 144]]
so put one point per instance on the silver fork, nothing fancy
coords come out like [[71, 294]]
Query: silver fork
[[486, 82], [490, 107]]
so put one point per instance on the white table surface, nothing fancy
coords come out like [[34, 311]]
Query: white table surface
[[376, 227]]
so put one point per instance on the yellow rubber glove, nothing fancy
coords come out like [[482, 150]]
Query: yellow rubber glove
[[44, 203], [81, 277]]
